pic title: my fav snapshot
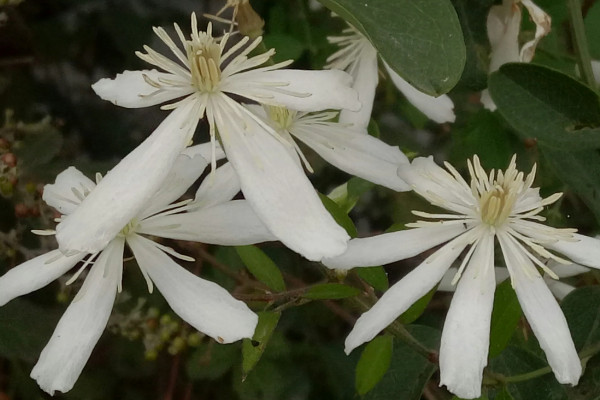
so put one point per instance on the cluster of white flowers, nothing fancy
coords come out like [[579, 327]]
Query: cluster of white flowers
[[255, 111]]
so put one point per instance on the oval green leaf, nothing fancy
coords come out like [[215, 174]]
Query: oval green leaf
[[505, 317], [373, 363], [330, 291], [261, 266], [374, 276], [252, 350], [420, 39]]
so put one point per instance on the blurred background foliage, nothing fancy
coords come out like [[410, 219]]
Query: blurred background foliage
[[50, 54]]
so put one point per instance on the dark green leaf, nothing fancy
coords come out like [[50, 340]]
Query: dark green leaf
[[581, 171], [339, 215], [515, 361], [547, 105], [39, 147], [262, 267], [505, 317], [374, 276], [211, 360], [582, 310], [415, 311], [409, 371], [287, 47], [252, 350], [346, 195], [328, 291], [503, 394], [373, 363], [592, 30], [420, 39]]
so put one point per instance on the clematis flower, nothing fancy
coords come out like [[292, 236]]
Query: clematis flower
[[210, 218], [500, 207], [358, 57], [503, 27], [348, 148], [209, 75]]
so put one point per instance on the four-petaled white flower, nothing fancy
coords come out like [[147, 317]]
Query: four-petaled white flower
[[210, 218], [358, 57], [207, 75], [503, 28], [349, 148], [501, 206]]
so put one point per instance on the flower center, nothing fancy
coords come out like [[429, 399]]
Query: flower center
[[496, 205], [281, 116], [204, 58]]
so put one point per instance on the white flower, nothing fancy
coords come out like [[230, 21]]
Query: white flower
[[348, 148], [358, 57], [501, 206], [210, 218], [207, 75], [503, 27]]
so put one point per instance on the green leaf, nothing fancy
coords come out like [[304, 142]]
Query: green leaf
[[420, 39], [505, 317], [39, 147], [515, 361], [287, 47], [374, 276], [409, 316], [261, 266], [252, 350], [17, 338], [373, 363], [547, 105], [581, 171], [339, 215], [582, 311], [211, 360], [347, 194], [592, 29], [409, 371], [329, 291]]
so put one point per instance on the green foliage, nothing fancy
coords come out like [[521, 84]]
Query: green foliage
[[330, 291], [420, 39], [339, 215], [252, 350], [582, 311], [374, 276], [409, 316], [505, 317], [211, 360], [261, 266], [373, 363]]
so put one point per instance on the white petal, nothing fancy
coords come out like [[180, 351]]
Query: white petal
[[503, 25], [131, 90], [402, 295], [219, 187], [446, 285], [205, 150], [186, 170], [35, 274], [233, 223], [297, 89], [205, 305], [466, 334], [366, 77], [585, 250], [354, 152], [542, 28], [128, 187], [279, 191], [439, 109], [67, 192], [77, 332], [566, 270], [543, 314], [389, 247], [559, 289]]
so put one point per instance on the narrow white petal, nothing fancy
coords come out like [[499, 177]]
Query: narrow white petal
[[77, 332], [566, 270], [130, 89], [67, 192], [233, 223], [35, 274], [128, 187], [296, 89], [466, 333], [186, 170], [503, 25], [559, 289], [402, 295], [542, 28], [355, 152], [389, 247], [279, 191], [585, 250], [203, 304], [218, 187], [446, 285], [439, 109], [543, 314], [366, 77]]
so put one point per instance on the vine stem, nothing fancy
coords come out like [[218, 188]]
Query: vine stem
[[580, 43]]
